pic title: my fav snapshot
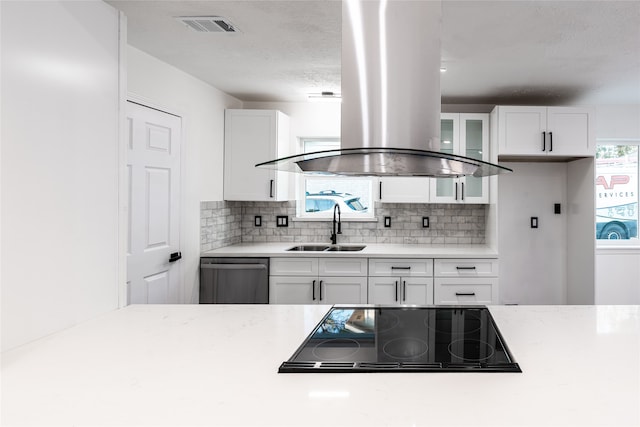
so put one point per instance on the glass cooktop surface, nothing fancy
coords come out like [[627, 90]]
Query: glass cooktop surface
[[403, 339]]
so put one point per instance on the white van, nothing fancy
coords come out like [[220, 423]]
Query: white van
[[616, 199]]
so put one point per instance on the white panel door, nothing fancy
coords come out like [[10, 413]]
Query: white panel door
[[154, 199]]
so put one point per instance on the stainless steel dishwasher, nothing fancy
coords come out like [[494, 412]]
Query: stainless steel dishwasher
[[234, 280]]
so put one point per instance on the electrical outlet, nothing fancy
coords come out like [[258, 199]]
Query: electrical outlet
[[534, 222], [257, 221], [425, 222], [387, 221]]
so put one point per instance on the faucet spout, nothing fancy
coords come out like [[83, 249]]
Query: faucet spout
[[334, 233]]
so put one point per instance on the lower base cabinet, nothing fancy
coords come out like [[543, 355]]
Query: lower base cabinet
[[465, 290], [318, 281], [321, 290], [465, 281], [401, 281], [401, 290], [384, 281]]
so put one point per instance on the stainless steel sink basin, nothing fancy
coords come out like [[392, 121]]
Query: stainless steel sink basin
[[349, 248], [316, 248], [326, 248]]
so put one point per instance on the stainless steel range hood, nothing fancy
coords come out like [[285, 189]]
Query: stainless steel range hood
[[390, 97]]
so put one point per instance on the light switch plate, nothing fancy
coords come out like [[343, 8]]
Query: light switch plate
[[257, 221], [282, 221], [425, 222], [387, 221], [534, 222]]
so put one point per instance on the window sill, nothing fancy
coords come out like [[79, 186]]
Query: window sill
[[343, 219], [607, 248]]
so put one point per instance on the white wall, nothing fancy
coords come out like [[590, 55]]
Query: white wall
[[617, 276], [618, 269], [308, 119], [618, 121], [60, 112], [202, 109], [533, 262]]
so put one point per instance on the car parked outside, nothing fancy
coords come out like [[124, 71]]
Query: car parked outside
[[325, 200]]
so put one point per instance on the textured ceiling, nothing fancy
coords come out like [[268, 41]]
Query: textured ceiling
[[495, 52]]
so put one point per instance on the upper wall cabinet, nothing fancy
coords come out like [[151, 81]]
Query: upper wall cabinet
[[251, 137], [545, 131], [403, 190], [464, 135]]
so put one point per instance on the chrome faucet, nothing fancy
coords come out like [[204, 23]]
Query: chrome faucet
[[334, 235]]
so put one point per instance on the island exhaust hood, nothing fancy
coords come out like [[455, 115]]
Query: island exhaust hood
[[390, 97]]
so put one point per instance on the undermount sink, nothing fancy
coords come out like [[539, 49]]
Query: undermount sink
[[326, 248], [350, 248], [317, 248]]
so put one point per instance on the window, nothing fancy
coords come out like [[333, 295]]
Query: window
[[318, 194], [617, 192]]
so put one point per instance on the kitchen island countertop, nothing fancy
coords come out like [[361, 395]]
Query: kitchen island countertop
[[371, 250], [217, 365]]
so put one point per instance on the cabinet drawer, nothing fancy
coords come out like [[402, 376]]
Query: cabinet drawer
[[401, 267], [293, 267], [451, 291], [466, 268], [342, 266]]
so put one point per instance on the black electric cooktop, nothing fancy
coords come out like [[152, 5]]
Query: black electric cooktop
[[403, 339]]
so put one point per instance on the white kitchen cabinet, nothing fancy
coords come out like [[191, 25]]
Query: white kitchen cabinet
[[400, 281], [401, 290], [464, 290], [464, 135], [465, 281], [403, 190], [251, 137], [545, 131], [318, 281], [466, 267], [317, 290]]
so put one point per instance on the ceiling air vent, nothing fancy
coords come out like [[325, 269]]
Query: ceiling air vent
[[208, 24]]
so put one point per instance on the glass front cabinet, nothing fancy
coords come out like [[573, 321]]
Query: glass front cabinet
[[464, 135]]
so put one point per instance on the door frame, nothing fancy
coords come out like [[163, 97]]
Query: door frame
[[123, 199]]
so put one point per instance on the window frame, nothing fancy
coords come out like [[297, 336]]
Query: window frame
[[620, 243], [301, 185]]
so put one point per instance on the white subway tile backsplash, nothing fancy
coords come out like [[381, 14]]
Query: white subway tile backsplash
[[226, 223]]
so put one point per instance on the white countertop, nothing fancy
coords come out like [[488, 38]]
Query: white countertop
[[372, 250], [217, 365]]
